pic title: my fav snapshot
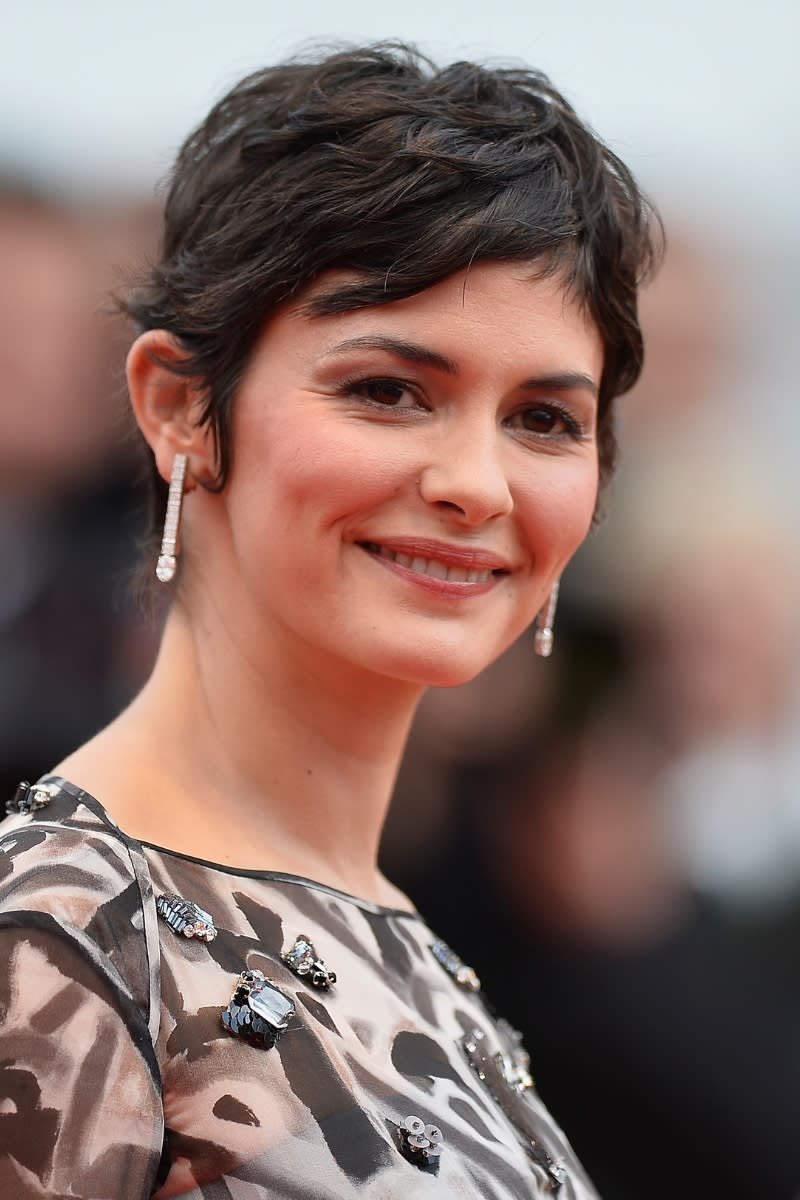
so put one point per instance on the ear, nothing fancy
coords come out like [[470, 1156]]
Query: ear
[[167, 405]]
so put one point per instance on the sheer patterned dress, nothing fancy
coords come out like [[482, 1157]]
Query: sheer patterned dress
[[172, 1027]]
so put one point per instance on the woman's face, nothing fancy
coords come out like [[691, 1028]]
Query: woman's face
[[409, 480]]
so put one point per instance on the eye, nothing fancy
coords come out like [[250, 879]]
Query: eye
[[547, 420], [386, 392]]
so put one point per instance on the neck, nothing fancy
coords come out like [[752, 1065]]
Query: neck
[[299, 757]]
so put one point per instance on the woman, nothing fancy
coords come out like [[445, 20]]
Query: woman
[[376, 364]]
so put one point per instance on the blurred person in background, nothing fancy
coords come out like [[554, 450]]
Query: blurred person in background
[[68, 507], [716, 678]]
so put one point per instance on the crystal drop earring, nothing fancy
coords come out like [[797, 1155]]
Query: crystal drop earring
[[543, 637], [168, 558]]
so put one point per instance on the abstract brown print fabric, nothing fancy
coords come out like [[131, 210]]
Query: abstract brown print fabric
[[388, 1079]]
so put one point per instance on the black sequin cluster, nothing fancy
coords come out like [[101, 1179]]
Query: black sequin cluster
[[257, 1012]]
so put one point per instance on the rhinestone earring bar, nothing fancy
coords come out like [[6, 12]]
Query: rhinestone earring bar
[[167, 560], [543, 637]]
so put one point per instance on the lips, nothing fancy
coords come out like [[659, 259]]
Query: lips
[[440, 561], [430, 566]]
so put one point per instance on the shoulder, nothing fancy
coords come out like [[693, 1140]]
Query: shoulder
[[69, 874], [66, 856], [78, 1003]]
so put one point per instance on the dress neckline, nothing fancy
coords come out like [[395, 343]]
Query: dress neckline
[[81, 796]]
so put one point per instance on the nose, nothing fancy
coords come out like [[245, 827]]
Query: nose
[[467, 478]]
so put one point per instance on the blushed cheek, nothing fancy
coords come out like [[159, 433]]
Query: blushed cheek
[[347, 478], [582, 508], [585, 504], [560, 515]]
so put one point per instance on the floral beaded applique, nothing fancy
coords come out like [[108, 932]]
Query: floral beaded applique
[[420, 1143], [30, 797], [306, 963]]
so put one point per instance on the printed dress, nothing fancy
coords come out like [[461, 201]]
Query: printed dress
[[172, 1027]]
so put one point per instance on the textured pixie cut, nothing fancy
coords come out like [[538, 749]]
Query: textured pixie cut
[[376, 161]]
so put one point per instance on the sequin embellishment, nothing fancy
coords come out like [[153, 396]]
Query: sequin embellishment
[[305, 962], [186, 917], [508, 1094], [258, 1012], [421, 1144], [515, 1065], [29, 797], [464, 976]]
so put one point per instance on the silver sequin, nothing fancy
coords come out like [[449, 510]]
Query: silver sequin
[[186, 917], [421, 1143], [464, 976]]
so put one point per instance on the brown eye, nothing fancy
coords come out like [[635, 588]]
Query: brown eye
[[548, 420], [541, 420], [391, 392]]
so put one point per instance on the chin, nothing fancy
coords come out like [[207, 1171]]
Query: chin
[[440, 668]]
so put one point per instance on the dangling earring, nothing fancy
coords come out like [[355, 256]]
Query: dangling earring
[[543, 637], [168, 559]]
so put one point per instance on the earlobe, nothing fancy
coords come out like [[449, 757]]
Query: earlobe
[[165, 404]]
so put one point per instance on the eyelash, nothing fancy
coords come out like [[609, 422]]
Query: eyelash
[[357, 386], [572, 426]]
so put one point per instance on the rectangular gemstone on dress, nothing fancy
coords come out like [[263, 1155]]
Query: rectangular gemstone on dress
[[196, 913], [271, 1005]]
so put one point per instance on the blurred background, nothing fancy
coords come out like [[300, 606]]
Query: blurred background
[[611, 837]]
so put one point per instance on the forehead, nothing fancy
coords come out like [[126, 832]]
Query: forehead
[[508, 308]]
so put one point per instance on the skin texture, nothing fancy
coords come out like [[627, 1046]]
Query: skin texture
[[294, 655]]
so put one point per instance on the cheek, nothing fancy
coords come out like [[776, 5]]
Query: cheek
[[332, 477], [559, 510]]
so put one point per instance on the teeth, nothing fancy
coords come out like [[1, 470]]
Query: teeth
[[431, 566], [459, 574], [438, 570]]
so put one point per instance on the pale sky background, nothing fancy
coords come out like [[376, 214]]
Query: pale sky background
[[700, 98], [695, 94]]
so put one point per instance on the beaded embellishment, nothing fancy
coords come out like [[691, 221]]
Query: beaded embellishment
[[186, 917], [305, 962], [420, 1143], [464, 976], [30, 797], [502, 1080], [257, 1012], [515, 1064]]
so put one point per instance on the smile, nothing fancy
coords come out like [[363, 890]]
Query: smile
[[430, 566], [438, 573]]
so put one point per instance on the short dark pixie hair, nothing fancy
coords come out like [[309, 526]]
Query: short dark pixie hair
[[376, 161]]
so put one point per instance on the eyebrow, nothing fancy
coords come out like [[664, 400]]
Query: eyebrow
[[563, 381], [558, 381], [410, 351]]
